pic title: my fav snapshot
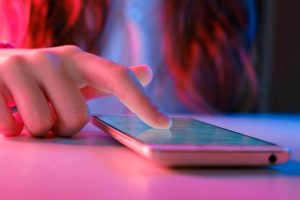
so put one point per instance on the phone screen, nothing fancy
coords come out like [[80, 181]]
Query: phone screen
[[183, 131]]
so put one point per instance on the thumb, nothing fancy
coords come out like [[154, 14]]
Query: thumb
[[143, 73]]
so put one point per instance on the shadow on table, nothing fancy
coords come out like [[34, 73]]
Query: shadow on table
[[89, 136], [292, 168]]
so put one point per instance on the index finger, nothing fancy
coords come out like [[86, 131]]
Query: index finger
[[121, 82]]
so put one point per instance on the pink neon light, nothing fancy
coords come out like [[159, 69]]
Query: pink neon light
[[14, 18]]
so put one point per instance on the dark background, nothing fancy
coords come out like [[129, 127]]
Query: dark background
[[278, 55]]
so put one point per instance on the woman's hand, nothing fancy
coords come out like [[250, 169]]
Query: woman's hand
[[49, 87]]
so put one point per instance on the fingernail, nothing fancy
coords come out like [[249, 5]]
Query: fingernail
[[164, 120]]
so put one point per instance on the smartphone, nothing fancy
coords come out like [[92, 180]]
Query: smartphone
[[190, 142]]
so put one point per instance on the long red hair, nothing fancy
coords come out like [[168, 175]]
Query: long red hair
[[206, 53], [204, 45]]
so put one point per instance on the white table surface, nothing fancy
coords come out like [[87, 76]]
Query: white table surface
[[94, 166]]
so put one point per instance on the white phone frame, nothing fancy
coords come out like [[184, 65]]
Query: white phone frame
[[199, 155]]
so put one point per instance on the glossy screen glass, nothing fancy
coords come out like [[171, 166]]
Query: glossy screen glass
[[183, 131]]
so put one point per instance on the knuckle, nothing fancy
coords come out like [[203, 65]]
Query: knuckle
[[74, 123], [79, 118], [48, 62], [68, 49], [40, 127], [146, 104], [14, 59], [45, 55], [119, 74], [72, 48], [13, 64]]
